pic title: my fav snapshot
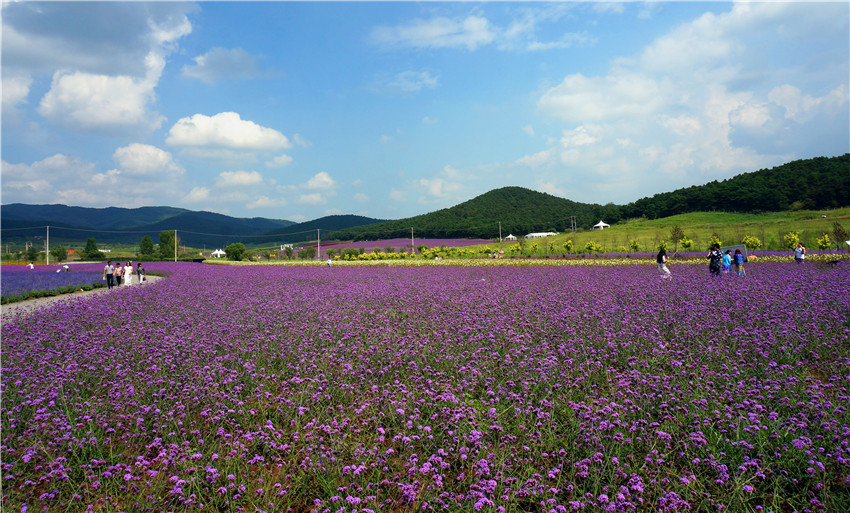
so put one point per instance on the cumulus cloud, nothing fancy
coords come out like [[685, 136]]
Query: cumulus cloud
[[143, 173], [279, 161], [145, 160], [312, 199], [103, 81], [103, 103], [197, 195], [701, 102], [226, 129], [221, 63], [239, 178], [320, 181], [15, 91]]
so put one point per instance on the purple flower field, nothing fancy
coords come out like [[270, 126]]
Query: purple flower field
[[18, 280], [342, 389]]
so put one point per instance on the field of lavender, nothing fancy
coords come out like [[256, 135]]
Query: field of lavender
[[20, 282], [477, 388]]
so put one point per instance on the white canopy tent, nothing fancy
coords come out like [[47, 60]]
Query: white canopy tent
[[601, 225], [218, 253], [510, 237]]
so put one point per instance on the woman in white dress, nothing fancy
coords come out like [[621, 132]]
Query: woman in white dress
[[128, 274]]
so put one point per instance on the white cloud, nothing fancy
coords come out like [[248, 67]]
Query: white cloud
[[528, 129], [804, 107], [239, 178], [321, 181], [197, 195], [398, 195], [578, 137], [361, 198], [225, 129], [470, 32], [266, 202], [279, 161], [15, 91], [221, 63], [428, 121], [103, 103], [312, 199], [145, 160]]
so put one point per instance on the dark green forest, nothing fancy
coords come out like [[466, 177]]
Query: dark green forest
[[818, 183]]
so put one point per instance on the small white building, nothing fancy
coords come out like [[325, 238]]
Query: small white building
[[537, 235], [601, 225], [510, 237], [218, 253]]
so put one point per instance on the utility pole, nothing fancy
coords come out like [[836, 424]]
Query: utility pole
[[500, 232], [175, 244], [319, 245], [47, 247], [412, 246], [573, 223]]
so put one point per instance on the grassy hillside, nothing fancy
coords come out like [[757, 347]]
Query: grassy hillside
[[700, 226], [519, 210]]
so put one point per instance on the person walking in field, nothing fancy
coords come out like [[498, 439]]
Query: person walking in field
[[128, 274], [800, 253], [661, 260], [140, 273], [739, 263], [727, 262], [108, 274], [119, 272], [714, 258]]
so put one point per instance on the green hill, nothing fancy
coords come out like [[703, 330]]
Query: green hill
[[519, 211], [818, 183]]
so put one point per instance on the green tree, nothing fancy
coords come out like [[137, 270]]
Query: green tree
[[686, 242], [235, 251], [568, 246], [287, 250], [714, 239], [634, 246], [32, 253], [791, 239], [166, 244], [751, 242], [330, 253], [676, 234], [307, 253], [147, 250], [90, 252], [59, 253], [839, 233]]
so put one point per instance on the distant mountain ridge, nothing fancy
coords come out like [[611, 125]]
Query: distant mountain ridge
[[118, 225], [817, 183]]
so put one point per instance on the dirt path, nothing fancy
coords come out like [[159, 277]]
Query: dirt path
[[11, 310]]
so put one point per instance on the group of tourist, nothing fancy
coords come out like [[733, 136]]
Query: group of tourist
[[123, 275], [721, 263]]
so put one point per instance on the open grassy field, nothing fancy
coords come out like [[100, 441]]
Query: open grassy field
[[699, 227]]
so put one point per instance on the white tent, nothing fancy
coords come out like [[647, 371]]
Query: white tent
[[218, 253], [601, 225], [537, 235], [510, 237]]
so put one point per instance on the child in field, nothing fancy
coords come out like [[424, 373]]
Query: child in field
[[739, 262], [727, 262]]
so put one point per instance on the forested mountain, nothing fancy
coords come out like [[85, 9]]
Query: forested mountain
[[803, 184], [125, 225], [519, 210], [817, 183]]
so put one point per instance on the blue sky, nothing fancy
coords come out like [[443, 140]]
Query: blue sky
[[297, 110]]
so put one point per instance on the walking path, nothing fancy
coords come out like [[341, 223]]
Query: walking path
[[29, 306]]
